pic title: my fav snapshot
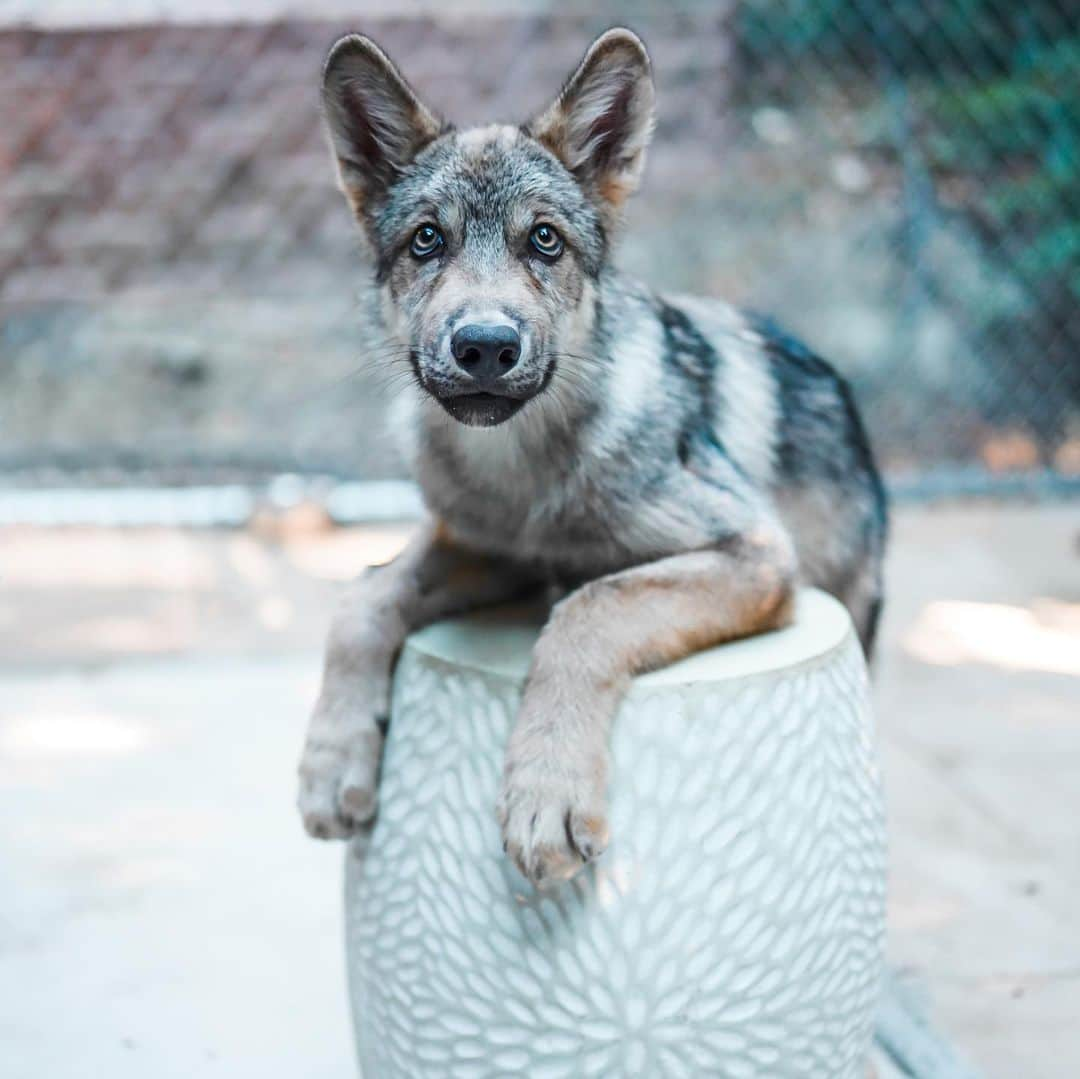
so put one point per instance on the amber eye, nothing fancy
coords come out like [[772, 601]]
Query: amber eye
[[546, 241], [426, 241]]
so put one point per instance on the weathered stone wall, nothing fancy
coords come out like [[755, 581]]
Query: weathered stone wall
[[180, 284], [178, 276]]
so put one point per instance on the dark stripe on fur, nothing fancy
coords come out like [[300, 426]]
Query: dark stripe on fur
[[687, 352], [814, 399]]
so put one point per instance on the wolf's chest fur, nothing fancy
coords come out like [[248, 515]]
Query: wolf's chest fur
[[571, 504]]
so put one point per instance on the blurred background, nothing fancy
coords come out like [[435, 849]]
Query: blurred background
[[182, 345], [898, 182]]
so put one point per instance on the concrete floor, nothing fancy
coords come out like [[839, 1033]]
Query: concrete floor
[[161, 914]]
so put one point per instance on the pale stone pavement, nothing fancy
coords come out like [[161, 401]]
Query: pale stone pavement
[[161, 914]]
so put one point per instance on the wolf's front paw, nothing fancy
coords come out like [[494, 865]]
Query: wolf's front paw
[[338, 775], [553, 814]]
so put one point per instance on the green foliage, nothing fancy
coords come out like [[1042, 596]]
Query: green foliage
[[993, 93], [1015, 138]]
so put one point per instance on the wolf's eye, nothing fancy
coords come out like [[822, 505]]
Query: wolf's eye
[[426, 241], [546, 241]]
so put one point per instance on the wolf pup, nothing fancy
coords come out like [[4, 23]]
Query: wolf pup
[[672, 466]]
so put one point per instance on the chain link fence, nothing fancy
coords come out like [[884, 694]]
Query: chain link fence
[[181, 288]]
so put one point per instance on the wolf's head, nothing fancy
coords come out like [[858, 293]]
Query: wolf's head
[[489, 242]]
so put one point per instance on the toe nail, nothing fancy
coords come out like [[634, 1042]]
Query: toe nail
[[570, 842], [358, 800]]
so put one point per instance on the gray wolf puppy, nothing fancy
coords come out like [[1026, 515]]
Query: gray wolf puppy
[[673, 466]]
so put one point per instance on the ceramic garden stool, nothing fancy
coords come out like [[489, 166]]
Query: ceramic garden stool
[[735, 925]]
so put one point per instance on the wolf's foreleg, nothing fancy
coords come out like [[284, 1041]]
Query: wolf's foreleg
[[552, 806], [433, 577]]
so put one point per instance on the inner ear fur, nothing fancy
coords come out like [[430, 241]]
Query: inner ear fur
[[376, 122], [600, 124]]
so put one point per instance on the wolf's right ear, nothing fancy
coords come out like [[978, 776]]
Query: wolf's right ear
[[377, 123], [600, 124]]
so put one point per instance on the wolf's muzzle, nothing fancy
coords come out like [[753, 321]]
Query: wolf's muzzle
[[478, 391]]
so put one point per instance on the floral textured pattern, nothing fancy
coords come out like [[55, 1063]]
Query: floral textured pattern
[[733, 928]]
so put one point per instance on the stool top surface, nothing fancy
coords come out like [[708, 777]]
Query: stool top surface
[[500, 640]]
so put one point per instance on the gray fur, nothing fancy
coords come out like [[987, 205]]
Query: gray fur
[[585, 485], [646, 427]]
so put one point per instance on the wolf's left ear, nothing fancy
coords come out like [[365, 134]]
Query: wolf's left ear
[[377, 123], [601, 122]]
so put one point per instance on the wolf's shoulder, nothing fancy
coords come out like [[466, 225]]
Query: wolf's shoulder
[[781, 409], [746, 341]]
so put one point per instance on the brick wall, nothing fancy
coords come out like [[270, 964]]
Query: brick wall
[[192, 157], [178, 275]]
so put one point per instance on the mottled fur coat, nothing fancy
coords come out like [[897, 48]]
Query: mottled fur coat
[[675, 467]]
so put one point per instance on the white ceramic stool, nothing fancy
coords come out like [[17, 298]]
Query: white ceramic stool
[[735, 925]]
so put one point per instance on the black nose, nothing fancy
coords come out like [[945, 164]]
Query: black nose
[[486, 351]]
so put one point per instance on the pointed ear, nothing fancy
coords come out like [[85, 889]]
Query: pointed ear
[[377, 124], [601, 122]]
